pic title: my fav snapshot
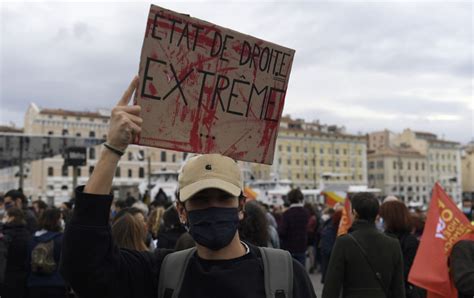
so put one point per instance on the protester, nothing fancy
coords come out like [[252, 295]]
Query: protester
[[140, 217], [292, 230], [16, 238], [397, 223], [44, 280], [117, 206], [2, 208], [331, 221], [185, 241], [155, 220], [128, 232], [254, 226], [418, 225], [365, 262], [16, 198], [209, 191], [171, 229], [311, 230], [462, 267], [38, 207], [467, 208]]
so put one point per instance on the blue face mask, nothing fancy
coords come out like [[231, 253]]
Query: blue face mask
[[213, 227], [466, 210], [8, 205]]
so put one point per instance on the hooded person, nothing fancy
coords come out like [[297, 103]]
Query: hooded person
[[209, 204]]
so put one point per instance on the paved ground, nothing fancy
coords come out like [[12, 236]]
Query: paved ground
[[316, 279]]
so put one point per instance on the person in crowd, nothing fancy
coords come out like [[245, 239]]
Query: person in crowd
[[418, 225], [277, 213], [116, 207], [365, 262], [293, 229], [171, 229], [66, 211], [38, 207], [462, 267], [397, 223], [311, 230], [16, 238], [141, 218], [128, 233], [44, 280], [130, 200], [270, 218], [210, 194], [467, 208], [253, 228], [2, 208], [16, 198], [155, 220], [330, 219]]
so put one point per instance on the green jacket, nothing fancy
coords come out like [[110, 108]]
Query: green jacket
[[349, 272]]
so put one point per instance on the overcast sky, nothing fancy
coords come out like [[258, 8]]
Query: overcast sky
[[364, 65]]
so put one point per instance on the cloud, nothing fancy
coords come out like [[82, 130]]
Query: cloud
[[365, 65]]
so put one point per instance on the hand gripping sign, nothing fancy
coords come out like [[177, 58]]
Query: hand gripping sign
[[207, 89]]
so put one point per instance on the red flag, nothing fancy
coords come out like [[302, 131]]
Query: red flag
[[346, 220], [445, 225]]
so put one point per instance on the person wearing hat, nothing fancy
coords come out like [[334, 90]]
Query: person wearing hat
[[209, 203]]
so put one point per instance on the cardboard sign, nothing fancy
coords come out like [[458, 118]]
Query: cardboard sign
[[207, 89]]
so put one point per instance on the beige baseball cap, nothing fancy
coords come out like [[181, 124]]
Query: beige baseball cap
[[209, 171]]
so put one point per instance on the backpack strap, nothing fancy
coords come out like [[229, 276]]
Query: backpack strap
[[377, 274], [172, 273], [278, 272]]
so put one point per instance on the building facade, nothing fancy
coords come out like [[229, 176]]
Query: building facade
[[313, 155], [421, 158], [50, 180], [467, 162]]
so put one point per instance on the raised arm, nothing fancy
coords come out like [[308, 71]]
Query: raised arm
[[125, 122], [90, 261]]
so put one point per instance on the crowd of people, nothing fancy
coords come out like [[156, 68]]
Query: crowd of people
[[216, 242]]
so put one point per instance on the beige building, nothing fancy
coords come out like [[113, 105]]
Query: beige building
[[402, 172], [311, 154], [49, 180], [442, 160], [468, 171]]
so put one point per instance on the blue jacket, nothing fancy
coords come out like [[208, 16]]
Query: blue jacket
[[46, 280]]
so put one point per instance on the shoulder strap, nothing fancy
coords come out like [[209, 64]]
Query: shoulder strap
[[172, 273], [377, 274], [278, 272]]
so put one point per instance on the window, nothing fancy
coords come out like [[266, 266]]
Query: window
[[321, 162], [297, 149], [380, 164], [288, 161], [297, 162], [321, 150], [279, 161], [129, 173], [163, 156], [50, 171], [337, 150], [141, 172], [371, 165], [416, 166], [91, 153], [400, 164], [65, 132], [394, 165], [345, 163], [78, 134], [91, 134], [288, 148], [345, 151], [50, 133], [337, 163], [173, 157], [64, 187], [117, 172], [280, 148], [395, 178], [141, 154], [64, 171], [91, 169], [422, 166], [401, 179], [305, 162], [78, 172], [130, 155], [409, 178], [409, 165]]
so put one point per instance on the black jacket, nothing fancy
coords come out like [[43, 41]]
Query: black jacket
[[349, 271], [462, 267], [96, 267], [17, 269]]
